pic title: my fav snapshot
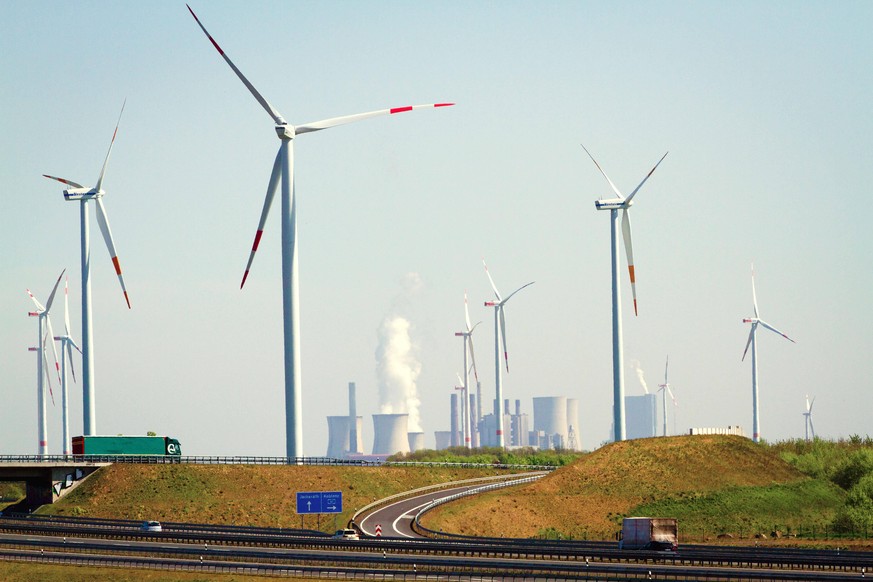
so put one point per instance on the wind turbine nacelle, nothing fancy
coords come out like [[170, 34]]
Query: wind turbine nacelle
[[747, 320], [490, 303], [33, 313], [612, 204], [72, 194], [285, 131]]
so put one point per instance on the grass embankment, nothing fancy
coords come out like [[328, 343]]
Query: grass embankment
[[712, 484], [240, 494], [20, 572]]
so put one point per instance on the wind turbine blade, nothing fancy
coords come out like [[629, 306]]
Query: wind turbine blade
[[63, 181], [334, 121], [749, 341], [672, 397], [629, 251], [754, 296], [45, 368], [505, 301], [467, 314], [490, 280], [51, 298], [503, 337], [811, 427], [809, 407], [51, 338], [773, 329], [39, 306], [652, 171], [666, 367], [268, 201], [67, 306], [69, 344], [460, 381], [264, 103], [106, 161], [611, 185], [103, 222], [473, 357]]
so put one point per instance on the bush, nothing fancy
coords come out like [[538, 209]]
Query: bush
[[854, 469]]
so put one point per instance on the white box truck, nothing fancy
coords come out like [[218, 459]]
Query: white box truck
[[649, 533]]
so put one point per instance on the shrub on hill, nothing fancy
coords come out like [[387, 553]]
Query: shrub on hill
[[490, 456]]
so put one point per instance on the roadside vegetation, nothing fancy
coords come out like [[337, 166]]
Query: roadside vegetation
[[491, 455], [847, 463], [10, 493]]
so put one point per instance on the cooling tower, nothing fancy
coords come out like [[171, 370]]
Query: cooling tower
[[443, 439], [453, 424], [337, 436], [550, 415], [390, 434], [416, 441], [573, 420]]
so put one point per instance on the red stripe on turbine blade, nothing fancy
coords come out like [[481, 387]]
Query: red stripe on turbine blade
[[630, 269], [117, 265], [400, 109], [257, 240], [215, 44], [443, 104]]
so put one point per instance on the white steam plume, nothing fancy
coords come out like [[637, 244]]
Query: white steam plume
[[397, 365], [639, 371]]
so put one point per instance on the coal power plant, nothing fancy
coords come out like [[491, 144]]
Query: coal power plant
[[390, 434]]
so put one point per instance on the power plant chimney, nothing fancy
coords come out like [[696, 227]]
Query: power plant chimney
[[353, 425], [390, 434], [506, 406], [518, 408]]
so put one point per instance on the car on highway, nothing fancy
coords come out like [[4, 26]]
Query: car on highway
[[151, 526], [346, 534]]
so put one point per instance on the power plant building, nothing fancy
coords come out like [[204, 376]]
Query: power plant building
[[390, 434], [339, 437], [641, 413]]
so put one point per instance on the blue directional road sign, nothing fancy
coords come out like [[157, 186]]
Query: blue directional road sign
[[319, 502]]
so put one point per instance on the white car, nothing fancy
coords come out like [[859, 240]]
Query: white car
[[151, 526], [346, 534]]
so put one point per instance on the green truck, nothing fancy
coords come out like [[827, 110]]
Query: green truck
[[127, 445]]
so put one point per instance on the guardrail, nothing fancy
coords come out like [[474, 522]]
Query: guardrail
[[253, 460]]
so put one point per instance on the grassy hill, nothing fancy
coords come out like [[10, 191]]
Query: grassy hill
[[713, 484], [239, 494]]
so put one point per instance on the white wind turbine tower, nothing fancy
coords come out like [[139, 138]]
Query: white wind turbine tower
[[614, 205], [283, 167], [499, 334], [808, 417], [755, 321], [84, 195], [45, 333], [468, 347], [67, 345], [664, 389]]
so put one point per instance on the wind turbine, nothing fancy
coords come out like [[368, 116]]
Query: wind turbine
[[468, 347], [614, 205], [500, 334], [45, 331], [84, 195], [67, 345], [808, 417], [664, 389], [755, 321], [283, 167]]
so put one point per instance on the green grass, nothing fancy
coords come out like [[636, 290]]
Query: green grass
[[491, 455], [744, 511]]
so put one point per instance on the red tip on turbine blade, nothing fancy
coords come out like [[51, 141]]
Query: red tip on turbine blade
[[635, 307], [400, 109], [245, 275], [127, 299], [209, 36], [443, 104], [257, 240]]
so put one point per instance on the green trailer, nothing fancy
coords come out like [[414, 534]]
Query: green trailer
[[126, 445]]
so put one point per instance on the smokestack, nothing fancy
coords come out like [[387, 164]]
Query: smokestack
[[506, 406], [416, 441], [518, 408], [390, 434], [453, 424], [353, 415]]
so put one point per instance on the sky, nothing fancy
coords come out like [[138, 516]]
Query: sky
[[764, 108]]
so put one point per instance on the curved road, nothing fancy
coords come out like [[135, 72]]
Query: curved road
[[396, 518]]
